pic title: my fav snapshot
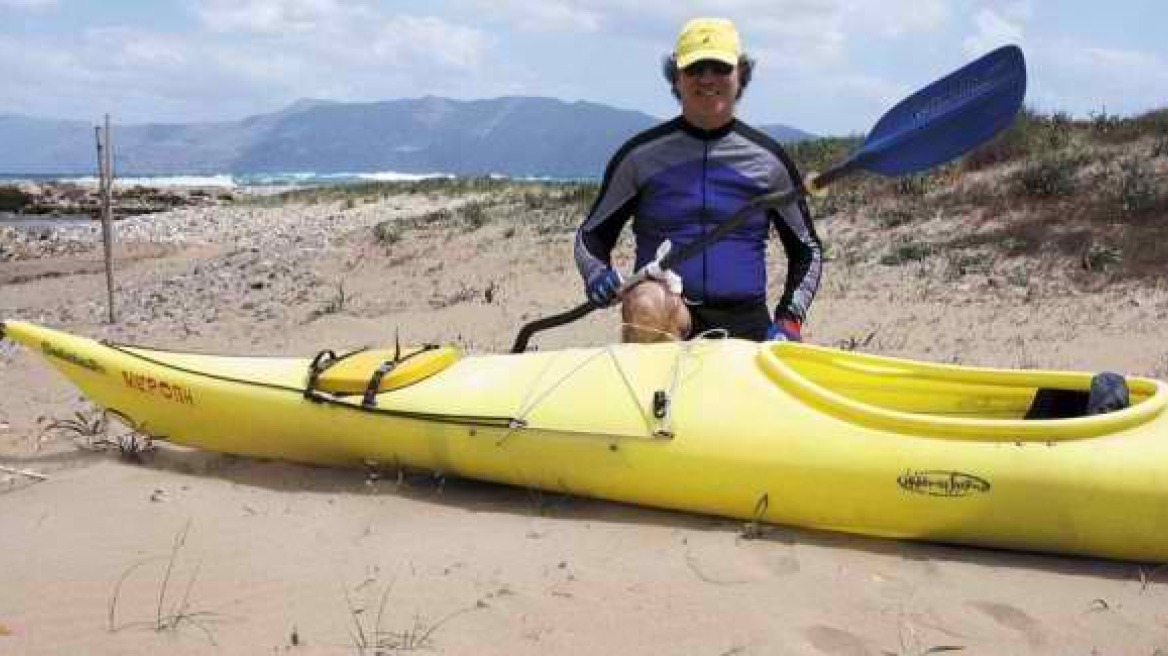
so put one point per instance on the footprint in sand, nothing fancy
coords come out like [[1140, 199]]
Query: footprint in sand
[[779, 560], [836, 642], [1012, 618], [782, 565]]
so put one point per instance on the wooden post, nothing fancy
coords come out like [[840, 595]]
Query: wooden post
[[105, 167]]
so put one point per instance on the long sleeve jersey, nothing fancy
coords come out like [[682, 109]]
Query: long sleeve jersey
[[680, 182]]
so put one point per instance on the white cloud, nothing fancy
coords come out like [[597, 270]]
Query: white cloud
[[811, 42], [888, 17], [1016, 11], [271, 16], [136, 76], [545, 16], [1109, 61], [782, 33], [336, 35], [992, 30], [1082, 79], [354, 51], [30, 5], [425, 40], [895, 18], [137, 49]]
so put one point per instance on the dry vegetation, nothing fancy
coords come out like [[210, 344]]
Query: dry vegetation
[[1089, 195], [1084, 200]]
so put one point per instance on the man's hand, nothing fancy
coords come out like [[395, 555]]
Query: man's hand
[[602, 288], [785, 329], [653, 270]]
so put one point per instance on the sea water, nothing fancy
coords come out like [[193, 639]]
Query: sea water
[[226, 181]]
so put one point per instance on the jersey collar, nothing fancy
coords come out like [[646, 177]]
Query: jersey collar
[[706, 135]]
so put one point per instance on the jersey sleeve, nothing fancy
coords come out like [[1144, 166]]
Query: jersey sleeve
[[611, 210], [803, 248]]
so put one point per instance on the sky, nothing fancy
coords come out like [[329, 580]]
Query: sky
[[830, 67]]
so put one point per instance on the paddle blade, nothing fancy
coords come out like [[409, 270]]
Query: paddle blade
[[949, 117]]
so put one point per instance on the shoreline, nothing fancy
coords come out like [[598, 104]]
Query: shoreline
[[15, 220]]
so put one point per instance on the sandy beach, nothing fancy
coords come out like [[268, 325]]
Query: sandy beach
[[193, 552]]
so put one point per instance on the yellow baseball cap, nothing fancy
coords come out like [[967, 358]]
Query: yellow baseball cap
[[708, 38]]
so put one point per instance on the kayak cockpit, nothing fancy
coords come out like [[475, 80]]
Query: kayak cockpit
[[952, 401]]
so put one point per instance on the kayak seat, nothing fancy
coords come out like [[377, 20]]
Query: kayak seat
[[371, 372], [1108, 393]]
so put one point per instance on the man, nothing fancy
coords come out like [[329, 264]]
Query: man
[[680, 180]]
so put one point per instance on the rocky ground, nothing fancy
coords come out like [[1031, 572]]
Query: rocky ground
[[55, 199]]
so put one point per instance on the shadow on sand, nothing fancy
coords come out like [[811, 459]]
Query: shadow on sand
[[484, 497]]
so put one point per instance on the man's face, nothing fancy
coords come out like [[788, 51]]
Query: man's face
[[708, 90]]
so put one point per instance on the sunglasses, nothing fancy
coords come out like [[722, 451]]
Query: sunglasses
[[699, 68]]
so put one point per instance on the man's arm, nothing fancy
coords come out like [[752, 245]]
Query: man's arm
[[614, 205], [804, 260]]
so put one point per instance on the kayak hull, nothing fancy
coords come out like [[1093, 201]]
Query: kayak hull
[[781, 433]]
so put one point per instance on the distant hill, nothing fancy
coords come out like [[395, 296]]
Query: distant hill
[[516, 136]]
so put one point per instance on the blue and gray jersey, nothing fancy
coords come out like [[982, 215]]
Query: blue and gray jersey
[[681, 182]]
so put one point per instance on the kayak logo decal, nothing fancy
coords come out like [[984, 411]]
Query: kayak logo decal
[[939, 483], [151, 386], [71, 357]]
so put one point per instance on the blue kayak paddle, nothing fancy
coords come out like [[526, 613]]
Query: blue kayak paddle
[[940, 122]]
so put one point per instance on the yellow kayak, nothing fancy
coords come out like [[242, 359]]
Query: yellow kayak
[[779, 432]]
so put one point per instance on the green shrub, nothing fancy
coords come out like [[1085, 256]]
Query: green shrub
[[12, 199], [580, 194], [387, 233], [963, 264], [1054, 132], [1139, 191], [1155, 120], [1104, 124], [474, 214], [1030, 133], [821, 154], [906, 250], [1018, 277], [913, 185], [1160, 147], [843, 198], [1012, 143], [1113, 129], [557, 222], [1016, 245], [895, 216], [1049, 176], [435, 218], [1101, 257]]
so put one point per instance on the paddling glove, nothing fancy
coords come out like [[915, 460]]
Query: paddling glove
[[785, 329], [602, 287]]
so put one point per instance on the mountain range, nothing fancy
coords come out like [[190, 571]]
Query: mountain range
[[515, 136]]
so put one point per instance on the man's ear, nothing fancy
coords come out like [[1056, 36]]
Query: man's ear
[[745, 72], [669, 72]]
